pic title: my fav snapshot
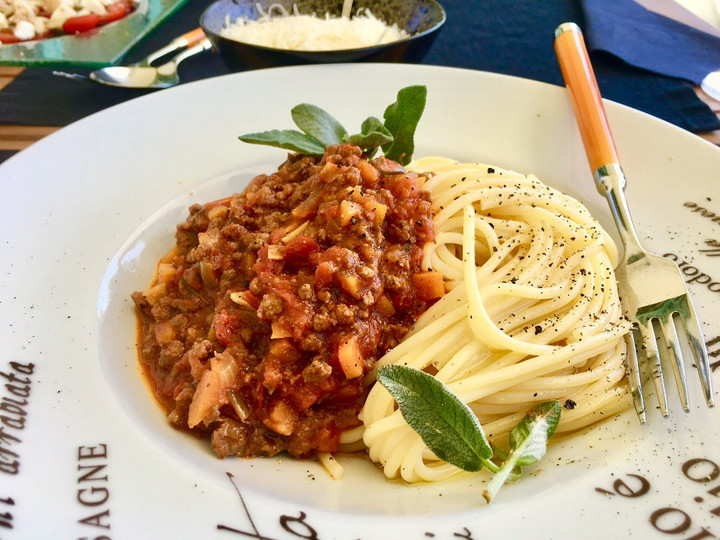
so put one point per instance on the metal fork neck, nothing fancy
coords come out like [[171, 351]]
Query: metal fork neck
[[610, 182]]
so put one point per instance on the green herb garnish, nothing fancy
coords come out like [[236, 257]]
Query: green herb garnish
[[319, 129], [401, 119], [445, 423], [528, 443], [451, 430], [318, 124]]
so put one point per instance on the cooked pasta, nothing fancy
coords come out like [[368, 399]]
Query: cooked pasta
[[531, 314]]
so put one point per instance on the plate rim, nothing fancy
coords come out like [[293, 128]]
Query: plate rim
[[15, 163]]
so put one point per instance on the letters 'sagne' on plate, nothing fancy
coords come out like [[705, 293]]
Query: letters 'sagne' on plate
[[101, 47]]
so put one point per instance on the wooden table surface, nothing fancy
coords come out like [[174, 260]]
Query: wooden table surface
[[13, 137], [16, 137]]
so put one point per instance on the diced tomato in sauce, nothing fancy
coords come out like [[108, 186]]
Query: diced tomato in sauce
[[299, 250]]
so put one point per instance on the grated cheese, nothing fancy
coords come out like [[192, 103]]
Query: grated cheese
[[312, 33]]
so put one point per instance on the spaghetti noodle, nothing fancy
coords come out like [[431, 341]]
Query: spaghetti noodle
[[531, 314]]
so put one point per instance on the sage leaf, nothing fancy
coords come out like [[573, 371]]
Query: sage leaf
[[288, 139], [318, 123], [318, 129], [528, 440], [401, 120], [528, 443], [373, 134], [444, 422]]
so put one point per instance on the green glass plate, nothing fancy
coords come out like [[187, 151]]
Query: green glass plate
[[101, 47]]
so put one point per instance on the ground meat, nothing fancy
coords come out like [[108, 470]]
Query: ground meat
[[170, 353], [317, 372], [274, 303], [233, 438], [311, 342], [344, 314], [305, 291], [323, 321], [270, 307]]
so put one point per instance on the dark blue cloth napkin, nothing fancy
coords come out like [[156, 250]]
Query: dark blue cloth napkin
[[649, 40]]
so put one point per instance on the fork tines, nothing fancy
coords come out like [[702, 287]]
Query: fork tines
[[658, 329]]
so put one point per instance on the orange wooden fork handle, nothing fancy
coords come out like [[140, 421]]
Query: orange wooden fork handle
[[587, 102], [193, 36]]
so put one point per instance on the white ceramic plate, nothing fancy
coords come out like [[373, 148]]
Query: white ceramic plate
[[84, 214]]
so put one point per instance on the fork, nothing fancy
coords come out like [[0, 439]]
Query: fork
[[655, 299]]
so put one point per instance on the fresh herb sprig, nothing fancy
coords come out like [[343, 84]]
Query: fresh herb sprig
[[318, 129], [450, 429]]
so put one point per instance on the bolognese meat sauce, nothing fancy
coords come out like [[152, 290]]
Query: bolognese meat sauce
[[266, 317]]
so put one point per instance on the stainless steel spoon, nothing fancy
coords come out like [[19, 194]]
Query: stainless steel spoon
[[147, 76]]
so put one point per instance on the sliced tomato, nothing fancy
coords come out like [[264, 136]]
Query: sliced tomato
[[116, 11], [8, 37], [81, 23]]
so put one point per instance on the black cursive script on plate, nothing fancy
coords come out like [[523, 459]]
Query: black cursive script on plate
[[703, 475]]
